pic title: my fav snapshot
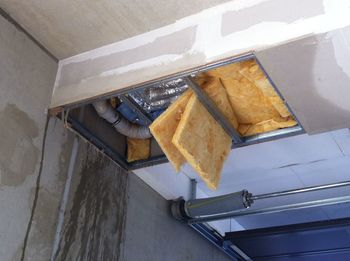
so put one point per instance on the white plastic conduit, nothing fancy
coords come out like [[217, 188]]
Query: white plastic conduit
[[122, 125]]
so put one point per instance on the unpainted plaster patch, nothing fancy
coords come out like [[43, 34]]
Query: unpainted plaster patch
[[269, 11], [104, 85], [18, 154], [175, 43]]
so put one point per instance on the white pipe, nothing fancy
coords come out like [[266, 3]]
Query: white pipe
[[105, 111], [122, 125], [64, 200]]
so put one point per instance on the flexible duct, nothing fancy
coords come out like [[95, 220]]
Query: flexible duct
[[122, 125]]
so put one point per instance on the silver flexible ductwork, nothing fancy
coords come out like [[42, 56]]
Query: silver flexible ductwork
[[122, 125], [160, 95]]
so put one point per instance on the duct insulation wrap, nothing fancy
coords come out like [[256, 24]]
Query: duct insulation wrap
[[160, 95], [218, 205]]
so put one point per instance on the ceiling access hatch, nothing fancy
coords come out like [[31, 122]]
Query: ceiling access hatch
[[142, 104]]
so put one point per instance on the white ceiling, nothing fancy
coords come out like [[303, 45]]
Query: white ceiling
[[287, 163], [283, 164], [69, 27]]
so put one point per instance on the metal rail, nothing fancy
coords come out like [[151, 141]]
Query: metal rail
[[85, 133], [215, 238], [278, 209], [213, 110], [234, 204], [135, 107], [269, 136], [301, 190], [238, 141]]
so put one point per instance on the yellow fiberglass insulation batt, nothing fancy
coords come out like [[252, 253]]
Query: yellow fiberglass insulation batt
[[164, 127], [187, 132], [138, 149], [255, 102]]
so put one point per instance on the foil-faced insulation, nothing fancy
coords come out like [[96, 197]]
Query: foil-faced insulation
[[160, 95]]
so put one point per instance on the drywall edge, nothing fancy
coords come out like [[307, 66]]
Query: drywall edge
[[194, 41]]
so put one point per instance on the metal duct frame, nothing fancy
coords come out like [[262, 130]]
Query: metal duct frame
[[238, 141]]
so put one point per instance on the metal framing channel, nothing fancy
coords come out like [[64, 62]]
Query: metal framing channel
[[216, 239], [148, 162], [272, 135], [213, 110], [238, 141], [115, 156], [136, 108], [88, 135]]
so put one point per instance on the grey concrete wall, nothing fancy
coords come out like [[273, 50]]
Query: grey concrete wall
[[95, 216], [111, 215], [152, 234], [29, 205], [114, 215]]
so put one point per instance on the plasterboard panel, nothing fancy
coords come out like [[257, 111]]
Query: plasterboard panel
[[320, 161], [313, 75], [342, 138], [163, 179], [263, 181], [260, 172], [193, 41], [253, 163], [323, 172]]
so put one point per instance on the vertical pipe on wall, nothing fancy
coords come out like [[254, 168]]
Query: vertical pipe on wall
[[64, 200]]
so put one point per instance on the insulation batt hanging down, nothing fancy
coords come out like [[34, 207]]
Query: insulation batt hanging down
[[186, 131]]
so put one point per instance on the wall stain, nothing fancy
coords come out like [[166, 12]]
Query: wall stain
[[94, 228], [18, 154]]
